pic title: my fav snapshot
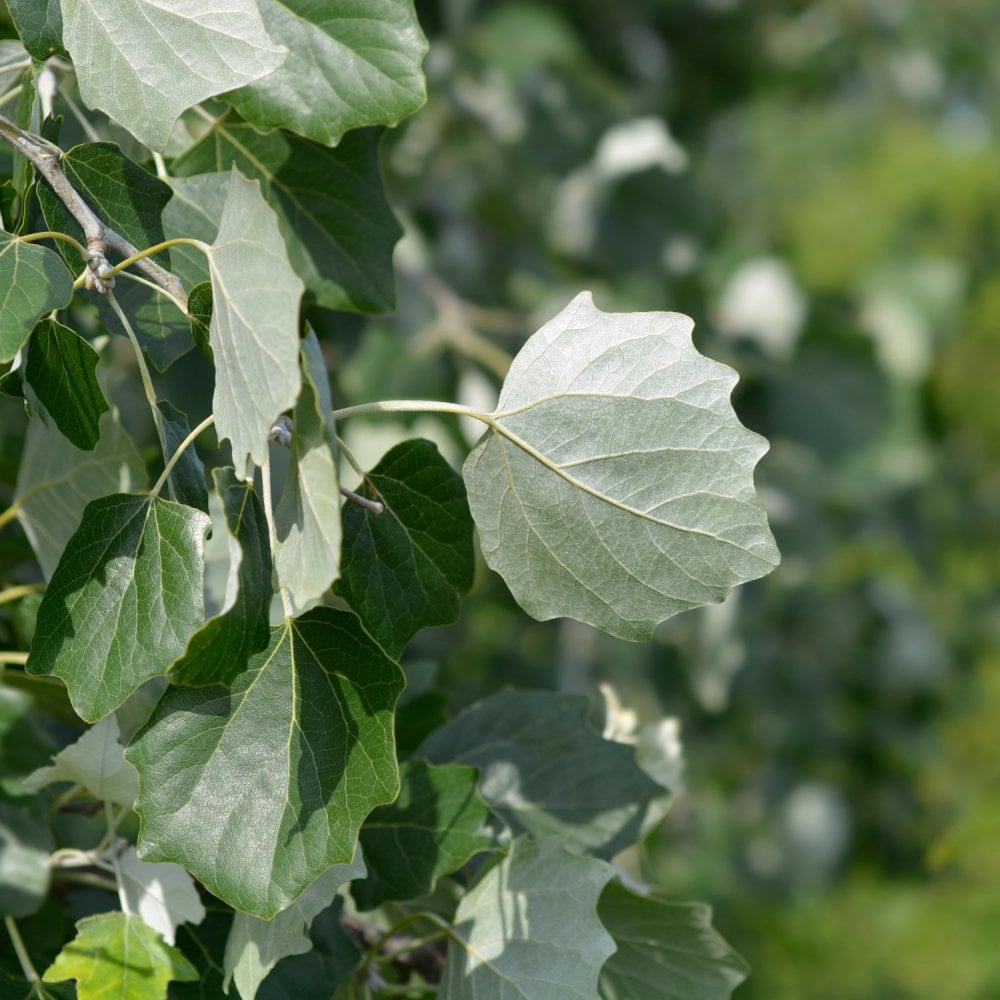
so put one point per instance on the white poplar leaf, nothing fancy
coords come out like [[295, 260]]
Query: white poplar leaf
[[162, 894], [143, 62], [254, 331], [615, 485]]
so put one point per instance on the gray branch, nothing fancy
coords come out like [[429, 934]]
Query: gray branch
[[45, 157]]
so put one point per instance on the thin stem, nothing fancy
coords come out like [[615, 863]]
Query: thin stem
[[272, 535], [22, 953], [88, 879], [49, 234], [65, 798], [8, 515], [45, 157], [138, 256], [10, 95], [112, 826], [19, 591], [349, 455], [147, 381], [412, 406], [181, 448], [375, 506], [373, 952], [180, 303], [10, 656]]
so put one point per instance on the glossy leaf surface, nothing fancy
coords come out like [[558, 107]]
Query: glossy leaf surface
[[123, 600], [616, 486], [299, 751]]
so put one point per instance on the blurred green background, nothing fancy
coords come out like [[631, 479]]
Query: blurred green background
[[818, 185]]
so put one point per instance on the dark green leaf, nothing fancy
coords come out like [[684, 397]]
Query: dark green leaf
[[417, 718], [33, 282], [61, 370], [434, 827], [221, 648], [25, 846], [307, 517], [163, 331], [39, 24], [123, 601], [344, 256], [57, 480], [666, 951], [299, 751], [24, 737], [117, 955], [200, 316], [187, 478], [529, 929], [528, 746], [408, 567], [127, 197], [357, 65]]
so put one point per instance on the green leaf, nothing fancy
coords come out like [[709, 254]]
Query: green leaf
[[616, 486], [187, 478], [349, 64], [57, 480], [163, 894], [255, 323], [116, 955], [123, 600], [25, 738], [344, 256], [256, 946], [13, 63], [96, 761], [194, 212], [131, 201], [143, 62], [33, 282], [220, 650], [200, 317], [408, 567], [61, 370], [299, 750], [529, 929], [434, 827], [666, 951], [25, 846], [307, 517], [528, 746], [39, 25]]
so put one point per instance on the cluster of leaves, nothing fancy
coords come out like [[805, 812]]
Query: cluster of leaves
[[306, 820]]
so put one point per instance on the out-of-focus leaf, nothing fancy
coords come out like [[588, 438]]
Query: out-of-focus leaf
[[615, 484], [666, 951], [299, 750], [56, 481], [123, 600], [116, 956], [187, 478], [96, 761], [529, 929], [408, 567], [528, 746], [254, 329], [61, 372], [144, 62], [256, 946], [344, 256], [162, 894], [353, 65], [25, 846], [435, 825], [33, 282]]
